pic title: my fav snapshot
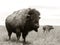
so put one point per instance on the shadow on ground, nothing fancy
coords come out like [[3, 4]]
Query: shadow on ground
[[14, 40]]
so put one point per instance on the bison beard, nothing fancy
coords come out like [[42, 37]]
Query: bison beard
[[22, 22]]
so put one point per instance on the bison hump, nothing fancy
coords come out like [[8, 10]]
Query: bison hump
[[18, 18]]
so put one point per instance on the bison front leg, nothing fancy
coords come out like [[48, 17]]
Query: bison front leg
[[18, 34], [24, 36]]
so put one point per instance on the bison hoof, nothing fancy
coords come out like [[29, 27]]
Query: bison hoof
[[26, 42]]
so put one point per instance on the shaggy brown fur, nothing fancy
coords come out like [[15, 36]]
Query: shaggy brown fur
[[22, 21]]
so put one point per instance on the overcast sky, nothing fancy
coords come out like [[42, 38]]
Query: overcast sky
[[49, 9]]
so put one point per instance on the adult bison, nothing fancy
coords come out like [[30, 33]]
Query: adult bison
[[22, 22]]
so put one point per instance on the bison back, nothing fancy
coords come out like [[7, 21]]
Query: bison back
[[18, 18]]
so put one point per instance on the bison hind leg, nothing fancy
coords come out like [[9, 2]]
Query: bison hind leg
[[9, 34]]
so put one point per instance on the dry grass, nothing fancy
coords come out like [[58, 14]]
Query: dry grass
[[33, 38]]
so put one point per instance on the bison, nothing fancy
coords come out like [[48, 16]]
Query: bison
[[22, 22], [47, 28]]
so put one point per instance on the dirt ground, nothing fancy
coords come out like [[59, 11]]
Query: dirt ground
[[33, 38]]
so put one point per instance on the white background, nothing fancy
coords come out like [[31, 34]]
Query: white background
[[49, 9]]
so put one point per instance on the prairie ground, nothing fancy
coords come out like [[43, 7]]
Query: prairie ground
[[33, 38]]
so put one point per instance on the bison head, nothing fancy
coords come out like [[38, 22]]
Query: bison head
[[34, 19], [51, 27]]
